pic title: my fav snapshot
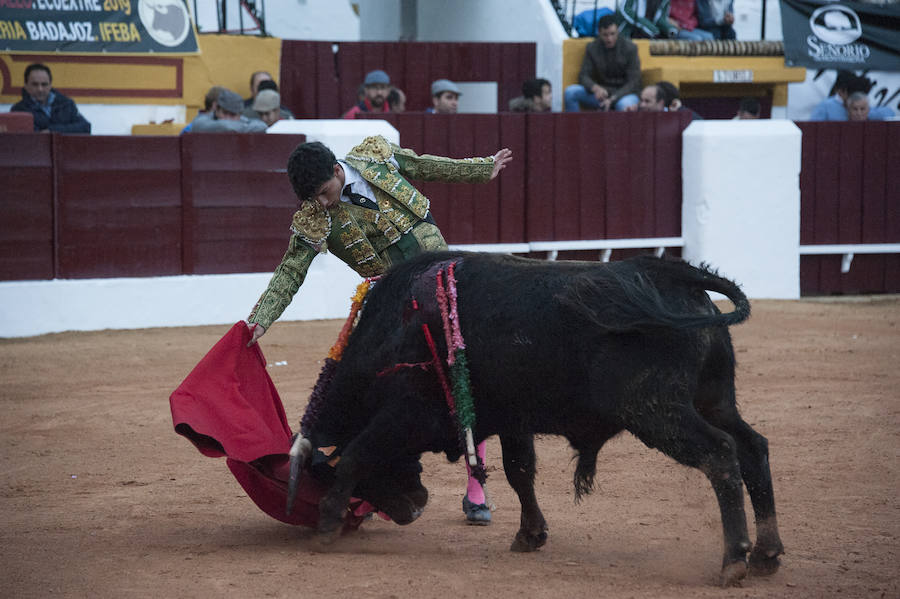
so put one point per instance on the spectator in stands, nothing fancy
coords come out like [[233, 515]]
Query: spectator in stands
[[645, 19], [51, 110], [834, 107], [444, 97], [663, 97], [340, 203], [396, 100], [537, 96], [858, 107], [377, 86], [227, 117], [268, 106], [255, 79], [267, 85], [683, 16], [748, 109], [610, 73], [717, 17], [652, 100], [209, 105]]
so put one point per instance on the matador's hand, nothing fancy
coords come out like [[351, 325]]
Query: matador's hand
[[501, 159], [256, 331]]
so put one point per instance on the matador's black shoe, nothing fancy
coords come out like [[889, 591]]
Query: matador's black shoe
[[477, 514]]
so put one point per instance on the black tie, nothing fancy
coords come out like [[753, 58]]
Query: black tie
[[359, 199]]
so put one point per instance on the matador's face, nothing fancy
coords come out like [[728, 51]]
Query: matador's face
[[328, 193]]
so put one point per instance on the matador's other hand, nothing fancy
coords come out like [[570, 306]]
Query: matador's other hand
[[501, 159], [256, 331]]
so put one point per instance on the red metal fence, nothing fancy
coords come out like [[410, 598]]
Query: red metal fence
[[319, 80]]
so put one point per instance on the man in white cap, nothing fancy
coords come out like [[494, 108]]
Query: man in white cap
[[377, 86], [267, 104], [444, 97]]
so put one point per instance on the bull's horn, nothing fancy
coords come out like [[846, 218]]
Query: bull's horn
[[300, 451]]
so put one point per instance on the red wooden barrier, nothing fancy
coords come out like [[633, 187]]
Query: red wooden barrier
[[26, 229], [604, 176], [321, 79], [487, 213], [237, 201], [80, 206], [849, 194], [119, 206]]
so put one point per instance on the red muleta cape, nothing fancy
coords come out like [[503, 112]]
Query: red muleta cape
[[228, 406]]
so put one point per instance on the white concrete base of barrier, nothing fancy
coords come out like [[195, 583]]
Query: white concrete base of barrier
[[741, 203], [340, 135], [36, 307]]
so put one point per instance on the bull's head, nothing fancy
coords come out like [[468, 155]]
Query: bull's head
[[393, 488]]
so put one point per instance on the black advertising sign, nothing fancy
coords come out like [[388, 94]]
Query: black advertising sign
[[104, 26], [841, 35]]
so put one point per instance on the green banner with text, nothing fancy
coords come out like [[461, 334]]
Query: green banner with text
[[97, 26]]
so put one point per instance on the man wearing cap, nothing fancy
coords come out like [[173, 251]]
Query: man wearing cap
[[377, 86], [227, 117], [267, 107], [266, 84], [364, 211], [444, 97]]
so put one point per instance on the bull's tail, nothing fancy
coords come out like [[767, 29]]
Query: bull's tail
[[653, 296]]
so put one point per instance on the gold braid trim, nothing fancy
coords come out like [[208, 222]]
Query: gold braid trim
[[312, 224]]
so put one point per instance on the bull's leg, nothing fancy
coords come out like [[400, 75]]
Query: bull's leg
[[753, 454], [716, 405], [519, 465], [682, 434]]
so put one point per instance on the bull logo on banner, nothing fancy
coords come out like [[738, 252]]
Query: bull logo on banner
[[835, 28], [167, 21]]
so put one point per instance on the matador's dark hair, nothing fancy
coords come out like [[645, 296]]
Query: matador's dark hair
[[310, 165]]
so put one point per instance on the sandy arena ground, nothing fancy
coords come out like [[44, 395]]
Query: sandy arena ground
[[100, 498]]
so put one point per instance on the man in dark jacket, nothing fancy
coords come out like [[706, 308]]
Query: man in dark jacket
[[52, 111], [610, 75]]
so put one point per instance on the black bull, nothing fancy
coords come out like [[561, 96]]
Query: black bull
[[582, 350]]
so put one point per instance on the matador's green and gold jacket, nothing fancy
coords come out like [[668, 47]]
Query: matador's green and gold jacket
[[365, 238]]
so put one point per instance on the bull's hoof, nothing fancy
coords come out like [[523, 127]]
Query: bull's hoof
[[733, 573], [765, 562], [525, 543], [325, 540]]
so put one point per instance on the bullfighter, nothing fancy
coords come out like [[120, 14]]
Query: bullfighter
[[364, 211]]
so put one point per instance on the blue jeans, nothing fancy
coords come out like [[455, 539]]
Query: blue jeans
[[576, 96], [722, 32], [697, 35]]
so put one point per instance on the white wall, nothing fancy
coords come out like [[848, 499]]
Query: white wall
[[322, 20], [741, 203], [476, 21], [36, 307]]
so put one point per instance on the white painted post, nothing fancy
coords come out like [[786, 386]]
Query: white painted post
[[741, 203]]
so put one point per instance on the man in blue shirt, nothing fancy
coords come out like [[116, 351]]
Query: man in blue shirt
[[51, 110], [834, 107]]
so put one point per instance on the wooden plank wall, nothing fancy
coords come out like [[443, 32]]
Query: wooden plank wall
[[27, 191], [850, 193], [79, 206], [237, 202], [321, 79], [118, 206], [82, 206]]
